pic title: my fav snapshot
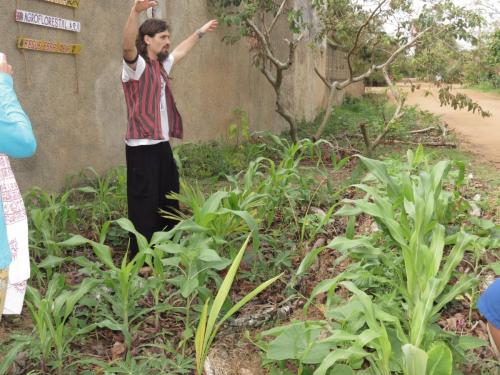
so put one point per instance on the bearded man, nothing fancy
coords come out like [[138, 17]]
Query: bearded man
[[152, 118]]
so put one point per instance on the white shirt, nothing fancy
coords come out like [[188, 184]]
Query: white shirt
[[129, 74]]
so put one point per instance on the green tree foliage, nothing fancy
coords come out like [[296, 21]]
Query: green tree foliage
[[483, 64]]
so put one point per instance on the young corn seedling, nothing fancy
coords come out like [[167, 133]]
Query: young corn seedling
[[125, 286], [50, 314]]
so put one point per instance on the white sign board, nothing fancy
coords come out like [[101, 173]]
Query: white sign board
[[47, 21]]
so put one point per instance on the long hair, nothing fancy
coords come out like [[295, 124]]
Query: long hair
[[150, 27]]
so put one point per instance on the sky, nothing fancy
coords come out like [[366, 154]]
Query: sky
[[490, 9]]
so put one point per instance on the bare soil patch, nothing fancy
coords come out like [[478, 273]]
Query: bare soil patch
[[479, 135]]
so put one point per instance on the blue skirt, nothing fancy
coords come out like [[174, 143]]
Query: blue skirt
[[489, 304]]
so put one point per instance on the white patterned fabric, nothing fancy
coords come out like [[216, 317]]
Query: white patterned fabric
[[16, 222]]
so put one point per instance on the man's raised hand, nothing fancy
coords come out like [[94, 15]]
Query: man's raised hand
[[142, 5], [209, 26]]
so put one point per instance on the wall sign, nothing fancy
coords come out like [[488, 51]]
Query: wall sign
[[48, 46], [68, 3], [47, 21]]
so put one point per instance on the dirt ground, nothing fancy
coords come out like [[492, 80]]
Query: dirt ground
[[479, 135]]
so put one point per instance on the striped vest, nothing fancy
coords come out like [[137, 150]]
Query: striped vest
[[143, 105]]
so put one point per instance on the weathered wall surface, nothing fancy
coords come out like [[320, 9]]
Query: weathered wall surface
[[76, 103]]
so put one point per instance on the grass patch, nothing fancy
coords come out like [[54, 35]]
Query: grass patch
[[373, 110], [485, 87], [214, 160]]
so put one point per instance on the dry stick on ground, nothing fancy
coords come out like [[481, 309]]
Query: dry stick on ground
[[276, 78], [428, 144], [335, 86], [425, 130], [399, 141]]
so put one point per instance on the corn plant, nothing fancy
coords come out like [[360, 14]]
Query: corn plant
[[158, 280], [124, 286], [221, 215], [107, 193], [138, 365], [413, 214], [50, 314], [411, 271], [51, 217], [194, 258], [193, 261], [209, 325]]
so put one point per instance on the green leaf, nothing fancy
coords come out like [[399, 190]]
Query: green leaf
[[299, 342], [353, 353], [161, 237], [103, 252], [379, 170], [440, 360], [173, 261], [74, 241], [171, 248], [348, 210], [210, 326], [9, 358], [361, 246], [224, 291], [209, 255], [324, 286], [471, 342], [87, 189], [341, 370], [114, 326], [200, 337], [309, 260], [51, 261], [77, 295], [495, 267], [415, 360], [189, 286], [127, 225], [350, 230]]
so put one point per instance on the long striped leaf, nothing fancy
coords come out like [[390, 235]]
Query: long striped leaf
[[200, 338], [224, 291], [415, 360], [353, 353]]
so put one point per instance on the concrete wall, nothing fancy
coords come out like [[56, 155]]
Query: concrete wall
[[76, 103]]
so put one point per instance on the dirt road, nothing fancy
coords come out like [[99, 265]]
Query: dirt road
[[478, 135]]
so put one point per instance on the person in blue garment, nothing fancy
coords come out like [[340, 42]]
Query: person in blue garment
[[17, 141], [489, 306]]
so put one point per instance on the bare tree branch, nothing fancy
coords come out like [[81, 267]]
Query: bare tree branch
[[342, 85], [292, 46], [322, 77], [265, 45], [403, 48], [366, 138], [397, 114], [278, 14], [268, 75], [277, 79], [358, 34]]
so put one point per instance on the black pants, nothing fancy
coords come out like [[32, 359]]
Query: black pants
[[151, 175]]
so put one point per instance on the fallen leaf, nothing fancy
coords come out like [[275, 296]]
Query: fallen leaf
[[118, 349]]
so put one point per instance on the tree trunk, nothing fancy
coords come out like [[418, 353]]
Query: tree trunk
[[329, 109], [288, 118]]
